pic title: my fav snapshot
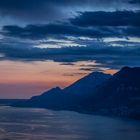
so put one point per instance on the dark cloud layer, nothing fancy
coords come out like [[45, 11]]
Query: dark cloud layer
[[89, 24], [56, 30], [32, 4], [108, 56], [47, 10], [134, 1], [101, 18], [91, 19], [42, 31]]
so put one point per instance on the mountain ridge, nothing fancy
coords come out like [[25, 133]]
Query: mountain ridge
[[98, 93]]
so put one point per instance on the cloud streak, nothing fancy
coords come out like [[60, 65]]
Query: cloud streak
[[108, 56], [54, 30]]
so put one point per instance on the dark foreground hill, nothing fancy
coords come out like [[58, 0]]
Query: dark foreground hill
[[120, 95], [98, 93]]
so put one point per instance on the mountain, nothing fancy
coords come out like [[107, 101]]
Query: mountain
[[71, 97], [49, 99], [8, 102], [96, 93], [77, 93], [120, 95], [87, 84]]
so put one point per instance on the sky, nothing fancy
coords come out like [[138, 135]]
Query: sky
[[48, 43]]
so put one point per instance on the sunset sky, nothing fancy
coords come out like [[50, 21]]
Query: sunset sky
[[48, 43]]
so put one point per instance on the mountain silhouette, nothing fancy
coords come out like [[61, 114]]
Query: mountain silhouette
[[77, 93], [96, 93], [87, 84], [120, 95], [70, 97]]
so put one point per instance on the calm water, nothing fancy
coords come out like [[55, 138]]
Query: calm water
[[41, 124]]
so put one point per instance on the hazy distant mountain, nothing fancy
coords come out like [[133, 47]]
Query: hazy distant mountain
[[48, 98], [96, 93], [8, 102]]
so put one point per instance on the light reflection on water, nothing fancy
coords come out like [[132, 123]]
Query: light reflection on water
[[41, 124]]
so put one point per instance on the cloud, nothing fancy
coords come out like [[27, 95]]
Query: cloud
[[132, 31], [30, 10], [81, 23], [88, 24], [52, 30], [61, 30], [102, 18], [111, 57], [134, 1], [93, 68], [42, 11], [67, 63]]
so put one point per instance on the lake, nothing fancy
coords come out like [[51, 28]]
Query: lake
[[42, 124]]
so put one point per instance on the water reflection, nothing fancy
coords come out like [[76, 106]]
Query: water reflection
[[41, 124]]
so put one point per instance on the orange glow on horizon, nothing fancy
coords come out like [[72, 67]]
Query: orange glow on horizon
[[25, 79]]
